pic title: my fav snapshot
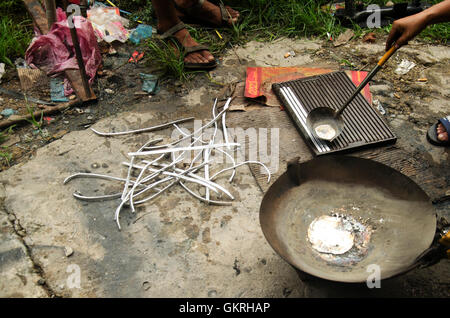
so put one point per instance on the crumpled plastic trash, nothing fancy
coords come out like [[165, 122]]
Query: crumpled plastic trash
[[57, 90], [8, 112], [379, 106], [142, 32], [109, 26], [404, 67], [150, 83], [54, 53], [21, 63]]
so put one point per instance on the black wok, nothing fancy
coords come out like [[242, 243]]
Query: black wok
[[392, 219]]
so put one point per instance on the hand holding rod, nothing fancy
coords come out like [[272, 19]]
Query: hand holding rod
[[369, 76]]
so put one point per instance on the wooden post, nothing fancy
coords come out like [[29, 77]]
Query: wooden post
[[50, 12]]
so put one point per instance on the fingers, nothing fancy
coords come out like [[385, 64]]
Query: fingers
[[442, 134], [403, 39], [393, 36], [406, 29]]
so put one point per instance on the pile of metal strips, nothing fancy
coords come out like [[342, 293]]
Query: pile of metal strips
[[156, 175]]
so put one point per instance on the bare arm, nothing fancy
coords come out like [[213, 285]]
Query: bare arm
[[407, 28]]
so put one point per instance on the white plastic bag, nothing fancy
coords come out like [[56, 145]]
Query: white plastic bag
[[404, 67], [108, 24]]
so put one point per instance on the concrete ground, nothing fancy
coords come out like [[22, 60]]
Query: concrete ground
[[176, 246]]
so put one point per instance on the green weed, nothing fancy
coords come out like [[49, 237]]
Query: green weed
[[165, 55], [14, 39], [171, 62], [4, 135], [11, 7], [37, 124], [5, 154]]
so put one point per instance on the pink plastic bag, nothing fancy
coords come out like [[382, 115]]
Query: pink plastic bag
[[54, 52]]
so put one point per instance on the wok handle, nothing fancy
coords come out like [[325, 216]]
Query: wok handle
[[445, 241], [439, 250]]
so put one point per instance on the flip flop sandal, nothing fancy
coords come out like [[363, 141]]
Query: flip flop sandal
[[169, 35], [432, 134], [194, 10]]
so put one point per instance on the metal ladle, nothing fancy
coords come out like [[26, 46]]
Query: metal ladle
[[326, 123]]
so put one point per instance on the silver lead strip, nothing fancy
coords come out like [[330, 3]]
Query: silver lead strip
[[301, 119], [323, 145]]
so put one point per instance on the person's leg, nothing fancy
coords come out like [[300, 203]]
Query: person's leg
[[208, 12], [167, 18]]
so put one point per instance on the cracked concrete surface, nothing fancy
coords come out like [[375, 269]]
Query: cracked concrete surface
[[19, 276], [174, 246]]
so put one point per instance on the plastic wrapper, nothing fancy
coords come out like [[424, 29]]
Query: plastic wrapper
[[142, 32], [109, 26]]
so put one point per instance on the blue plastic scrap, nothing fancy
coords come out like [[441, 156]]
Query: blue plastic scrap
[[150, 83], [8, 112], [142, 32], [57, 90]]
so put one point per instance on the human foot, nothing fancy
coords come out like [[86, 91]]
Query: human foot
[[207, 12], [196, 56], [442, 133], [438, 134]]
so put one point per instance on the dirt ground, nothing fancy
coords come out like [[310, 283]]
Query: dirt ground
[[184, 248]]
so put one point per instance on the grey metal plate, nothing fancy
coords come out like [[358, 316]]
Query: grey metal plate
[[364, 126]]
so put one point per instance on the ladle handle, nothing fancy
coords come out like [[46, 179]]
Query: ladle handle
[[386, 56], [369, 76]]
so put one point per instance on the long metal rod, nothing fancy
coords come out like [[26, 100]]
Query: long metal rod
[[79, 57], [369, 76], [358, 89]]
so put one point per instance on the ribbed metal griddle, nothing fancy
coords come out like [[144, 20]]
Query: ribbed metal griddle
[[363, 125]]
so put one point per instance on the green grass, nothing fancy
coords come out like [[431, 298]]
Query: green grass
[[171, 63], [5, 154], [10, 7], [37, 124], [4, 135], [14, 39]]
